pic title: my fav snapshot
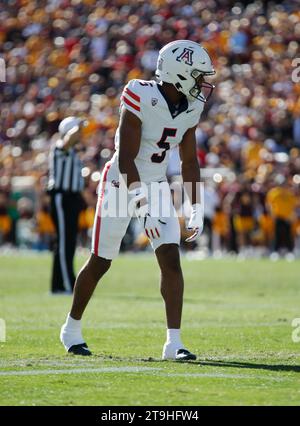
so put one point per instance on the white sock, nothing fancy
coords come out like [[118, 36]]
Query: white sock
[[71, 332], [72, 324], [173, 337]]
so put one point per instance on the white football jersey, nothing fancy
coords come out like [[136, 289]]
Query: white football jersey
[[163, 127]]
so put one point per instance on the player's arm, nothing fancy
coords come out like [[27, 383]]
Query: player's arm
[[191, 178], [129, 144], [189, 165]]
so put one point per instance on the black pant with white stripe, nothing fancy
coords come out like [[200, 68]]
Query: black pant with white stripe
[[65, 208]]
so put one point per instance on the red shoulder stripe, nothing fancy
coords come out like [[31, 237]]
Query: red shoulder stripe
[[128, 102], [132, 95]]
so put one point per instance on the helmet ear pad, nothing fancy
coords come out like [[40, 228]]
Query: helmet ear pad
[[178, 85], [181, 77]]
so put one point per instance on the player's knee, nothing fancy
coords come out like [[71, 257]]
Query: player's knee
[[170, 259], [97, 267]]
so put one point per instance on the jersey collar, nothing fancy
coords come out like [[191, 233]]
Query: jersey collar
[[174, 110]]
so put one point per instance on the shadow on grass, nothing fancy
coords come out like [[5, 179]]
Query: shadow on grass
[[219, 363], [235, 364], [250, 365]]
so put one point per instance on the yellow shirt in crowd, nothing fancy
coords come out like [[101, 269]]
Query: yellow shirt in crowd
[[220, 223], [282, 203], [44, 223], [5, 224]]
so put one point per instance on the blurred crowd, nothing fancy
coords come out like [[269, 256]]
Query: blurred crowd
[[73, 57]]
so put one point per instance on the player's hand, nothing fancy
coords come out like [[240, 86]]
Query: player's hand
[[152, 225], [195, 223]]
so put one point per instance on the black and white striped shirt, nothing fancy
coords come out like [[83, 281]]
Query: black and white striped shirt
[[65, 171]]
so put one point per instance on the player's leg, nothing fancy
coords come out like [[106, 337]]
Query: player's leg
[[106, 248], [71, 206], [172, 285], [108, 232], [86, 282]]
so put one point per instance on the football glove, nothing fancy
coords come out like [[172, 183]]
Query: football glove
[[195, 223], [152, 225]]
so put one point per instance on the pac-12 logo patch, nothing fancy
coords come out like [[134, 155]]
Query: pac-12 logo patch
[[186, 56], [115, 183], [154, 101]]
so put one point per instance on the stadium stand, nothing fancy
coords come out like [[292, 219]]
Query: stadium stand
[[73, 57]]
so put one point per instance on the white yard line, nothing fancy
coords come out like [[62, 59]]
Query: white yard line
[[78, 371], [138, 370]]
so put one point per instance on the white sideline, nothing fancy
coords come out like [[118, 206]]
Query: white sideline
[[156, 371]]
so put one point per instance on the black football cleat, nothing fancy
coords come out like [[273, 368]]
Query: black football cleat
[[81, 349], [184, 355]]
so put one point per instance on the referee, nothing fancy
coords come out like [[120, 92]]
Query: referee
[[64, 186]]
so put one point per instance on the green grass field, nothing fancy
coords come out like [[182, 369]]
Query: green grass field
[[237, 318]]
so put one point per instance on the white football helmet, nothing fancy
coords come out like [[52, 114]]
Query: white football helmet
[[181, 63], [67, 124]]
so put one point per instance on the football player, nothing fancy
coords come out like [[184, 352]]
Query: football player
[[154, 117]]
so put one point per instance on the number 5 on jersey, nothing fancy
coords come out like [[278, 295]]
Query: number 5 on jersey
[[163, 144]]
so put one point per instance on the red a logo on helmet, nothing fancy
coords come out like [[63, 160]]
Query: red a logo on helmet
[[186, 56]]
